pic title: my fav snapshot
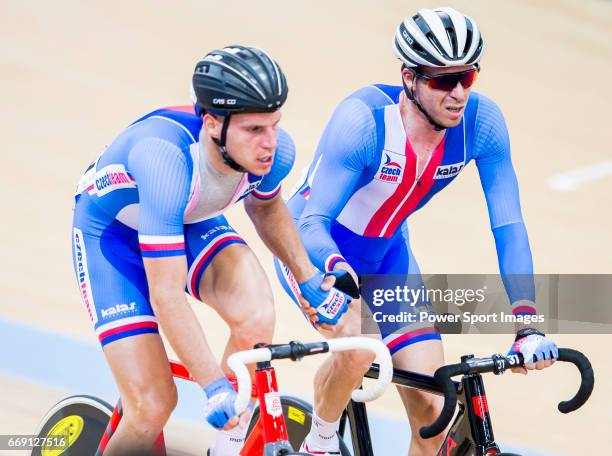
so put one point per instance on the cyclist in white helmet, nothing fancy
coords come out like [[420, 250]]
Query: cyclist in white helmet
[[384, 154]]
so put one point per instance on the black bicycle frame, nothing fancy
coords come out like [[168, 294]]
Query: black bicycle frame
[[465, 437]]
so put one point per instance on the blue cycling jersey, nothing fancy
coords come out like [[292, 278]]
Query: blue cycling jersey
[[363, 184], [150, 194], [149, 179]]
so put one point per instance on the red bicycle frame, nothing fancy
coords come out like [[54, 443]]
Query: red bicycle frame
[[269, 428], [269, 434]]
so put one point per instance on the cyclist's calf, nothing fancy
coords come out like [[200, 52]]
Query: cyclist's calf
[[240, 293], [423, 409]]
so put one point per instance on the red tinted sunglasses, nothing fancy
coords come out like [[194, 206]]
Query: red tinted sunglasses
[[448, 81]]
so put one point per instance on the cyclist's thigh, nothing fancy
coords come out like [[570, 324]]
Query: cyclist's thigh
[[399, 261], [224, 272], [203, 242], [113, 286], [112, 282], [423, 357]]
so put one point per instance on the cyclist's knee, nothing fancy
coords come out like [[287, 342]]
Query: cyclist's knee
[[431, 405], [148, 408], [353, 363], [349, 324], [423, 407], [253, 327]]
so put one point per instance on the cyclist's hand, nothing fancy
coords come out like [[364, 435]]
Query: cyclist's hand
[[219, 410], [328, 302], [308, 310], [538, 350]]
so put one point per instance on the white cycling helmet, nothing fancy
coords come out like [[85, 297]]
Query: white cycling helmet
[[442, 37]]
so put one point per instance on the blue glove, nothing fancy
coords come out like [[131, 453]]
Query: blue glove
[[220, 399], [330, 304], [534, 346]]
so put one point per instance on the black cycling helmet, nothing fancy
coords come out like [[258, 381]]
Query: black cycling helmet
[[237, 79]]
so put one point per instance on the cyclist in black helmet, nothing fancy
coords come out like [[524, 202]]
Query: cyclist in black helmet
[[148, 224]]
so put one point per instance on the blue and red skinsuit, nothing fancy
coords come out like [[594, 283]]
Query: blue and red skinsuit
[[362, 185]]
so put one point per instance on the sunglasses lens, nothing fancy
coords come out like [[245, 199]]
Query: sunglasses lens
[[448, 82], [469, 79]]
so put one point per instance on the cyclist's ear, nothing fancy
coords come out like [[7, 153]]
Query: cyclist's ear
[[345, 283]]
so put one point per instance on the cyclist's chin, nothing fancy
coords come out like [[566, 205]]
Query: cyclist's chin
[[449, 121]]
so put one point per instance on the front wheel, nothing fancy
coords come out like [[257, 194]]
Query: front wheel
[[298, 418], [75, 425]]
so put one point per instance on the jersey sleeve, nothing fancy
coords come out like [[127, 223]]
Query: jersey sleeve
[[498, 180], [163, 177], [284, 158], [346, 148]]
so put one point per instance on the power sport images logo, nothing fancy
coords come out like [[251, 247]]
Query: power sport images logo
[[390, 171]]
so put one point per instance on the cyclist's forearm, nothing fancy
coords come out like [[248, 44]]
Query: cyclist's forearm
[[277, 230], [185, 335], [516, 268]]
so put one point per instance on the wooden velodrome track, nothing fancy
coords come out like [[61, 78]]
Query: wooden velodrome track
[[75, 73]]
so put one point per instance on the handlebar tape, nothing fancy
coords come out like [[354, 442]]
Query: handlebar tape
[[443, 377], [587, 379]]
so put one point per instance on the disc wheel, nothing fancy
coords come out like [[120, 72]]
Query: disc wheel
[[80, 420]]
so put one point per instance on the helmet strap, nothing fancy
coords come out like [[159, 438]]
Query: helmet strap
[[221, 142], [412, 96]]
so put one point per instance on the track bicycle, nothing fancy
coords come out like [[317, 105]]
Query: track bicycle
[[279, 423], [471, 432]]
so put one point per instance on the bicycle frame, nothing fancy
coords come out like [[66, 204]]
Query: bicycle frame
[[470, 433], [269, 432]]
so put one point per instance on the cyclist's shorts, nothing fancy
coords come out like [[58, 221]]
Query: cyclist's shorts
[[394, 257], [110, 270]]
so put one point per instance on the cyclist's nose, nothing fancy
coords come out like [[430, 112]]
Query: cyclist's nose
[[458, 93], [269, 139]]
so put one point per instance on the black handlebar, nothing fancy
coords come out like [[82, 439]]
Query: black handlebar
[[587, 379], [443, 376], [498, 364]]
